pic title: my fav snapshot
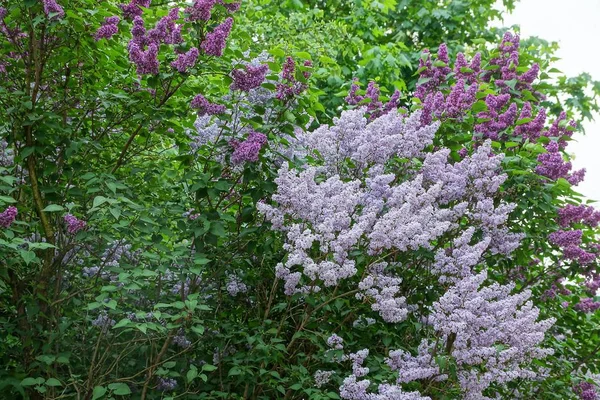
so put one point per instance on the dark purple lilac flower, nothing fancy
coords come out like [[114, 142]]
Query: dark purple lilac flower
[[231, 7], [205, 107], [132, 10], [247, 151], [186, 60], [574, 214], [146, 61], [8, 216], [497, 121], [108, 29], [52, 7], [214, 42], [587, 305], [74, 224], [586, 391], [249, 78], [200, 10]]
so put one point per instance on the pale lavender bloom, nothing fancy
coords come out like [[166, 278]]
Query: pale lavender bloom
[[104, 322], [335, 342], [322, 377], [235, 285], [166, 384]]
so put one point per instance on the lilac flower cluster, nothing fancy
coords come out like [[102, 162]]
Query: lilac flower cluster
[[586, 391], [248, 150], [52, 7], [375, 108], [132, 9], [166, 384], [8, 216], [290, 86], [587, 305], [144, 46], [335, 342], [7, 157], [191, 214], [570, 243], [186, 60], [571, 214], [235, 285], [480, 327], [531, 130], [108, 29], [506, 66], [200, 10], [181, 340], [496, 121], [214, 42], [322, 377], [251, 77], [553, 166], [205, 107], [384, 289], [104, 322], [459, 100], [74, 224], [432, 74], [231, 7]]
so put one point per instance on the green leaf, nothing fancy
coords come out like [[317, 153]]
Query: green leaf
[[99, 391], [32, 381], [120, 389], [53, 382], [53, 208], [208, 368]]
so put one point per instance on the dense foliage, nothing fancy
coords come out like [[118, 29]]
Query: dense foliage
[[194, 206]]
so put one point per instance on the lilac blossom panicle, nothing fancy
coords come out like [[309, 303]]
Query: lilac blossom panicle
[[553, 166], [8, 216], [571, 214], [205, 107], [586, 391], [52, 7], [587, 305], [322, 377], [570, 244], [230, 7], [481, 318], [108, 29], [335, 342], [74, 224], [166, 384], [214, 42], [186, 60], [200, 10], [133, 8], [235, 286], [104, 322], [251, 77], [248, 150]]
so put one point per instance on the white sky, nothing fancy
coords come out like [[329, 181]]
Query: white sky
[[575, 25]]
